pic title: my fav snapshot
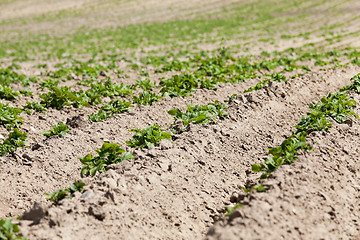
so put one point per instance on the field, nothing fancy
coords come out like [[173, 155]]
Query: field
[[179, 120]]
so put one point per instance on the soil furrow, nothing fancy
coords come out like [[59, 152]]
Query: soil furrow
[[317, 197], [175, 189]]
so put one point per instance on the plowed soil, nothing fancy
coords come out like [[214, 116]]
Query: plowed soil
[[178, 189]]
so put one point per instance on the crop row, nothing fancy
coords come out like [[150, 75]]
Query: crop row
[[203, 72], [336, 107]]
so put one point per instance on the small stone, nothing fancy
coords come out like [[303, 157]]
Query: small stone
[[234, 197], [151, 152], [97, 212], [104, 74], [165, 144], [27, 157], [201, 162], [86, 194], [36, 146], [235, 214], [72, 75], [76, 121]]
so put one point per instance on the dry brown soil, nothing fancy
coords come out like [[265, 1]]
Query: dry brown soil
[[178, 189]]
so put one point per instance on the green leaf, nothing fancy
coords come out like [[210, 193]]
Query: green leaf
[[109, 153], [113, 107], [59, 129], [147, 137]]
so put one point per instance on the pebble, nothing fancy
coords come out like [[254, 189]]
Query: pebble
[[165, 144]]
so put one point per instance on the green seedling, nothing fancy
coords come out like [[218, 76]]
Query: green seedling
[[179, 85], [60, 194], [37, 107], [9, 116], [113, 107], [355, 86], [49, 83], [145, 84], [78, 68], [146, 98], [59, 129], [230, 210], [154, 61], [107, 89], [9, 231], [58, 97], [109, 153], [200, 114], [26, 92], [148, 137], [174, 65], [8, 93], [276, 77], [15, 140], [231, 98]]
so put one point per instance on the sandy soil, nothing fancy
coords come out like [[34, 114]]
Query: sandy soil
[[179, 189], [317, 197], [174, 191]]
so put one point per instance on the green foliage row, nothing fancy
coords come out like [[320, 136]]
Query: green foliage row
[[337, 107], [239, 20], [89, 68], [8, 93], [8, 76], [58, 97]]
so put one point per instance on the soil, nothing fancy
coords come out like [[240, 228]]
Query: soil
[[317, 197], [179, 189]]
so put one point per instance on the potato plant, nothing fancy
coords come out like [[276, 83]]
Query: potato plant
[[148, 137], [9, 116], [109, 153], [113, 107], [60, 194], [15, 140], [200, 114], [9, 231], [59, 130]]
